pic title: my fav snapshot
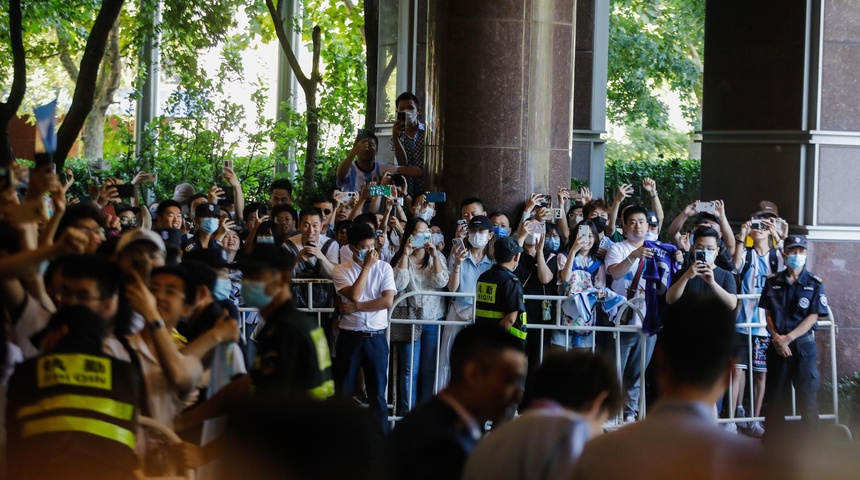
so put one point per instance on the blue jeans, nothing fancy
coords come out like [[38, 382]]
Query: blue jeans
[[631, 367], [356, 351], [427, 366], [408, 362]]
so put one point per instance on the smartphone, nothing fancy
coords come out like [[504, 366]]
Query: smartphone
[[380, 190], [435, 197], [227, 196], [238, 226], [419, 240], [457, 242], [228, 166], [462, 223], [124, 190], [5, 178], [605, 243], [757, 225], [401, 117], [708, 207], [544, 201], [362, 133], [44, 159], [778, 223], [557, 213], [700, 255], [583, 231], [262, 211], [537, 227]]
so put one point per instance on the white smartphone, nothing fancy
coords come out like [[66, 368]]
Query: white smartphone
[[708, 207], [583, 231]]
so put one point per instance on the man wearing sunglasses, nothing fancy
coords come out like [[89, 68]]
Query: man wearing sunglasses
[[326, 206]]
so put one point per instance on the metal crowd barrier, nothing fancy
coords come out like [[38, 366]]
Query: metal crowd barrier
[[831, 329], [532, 328], [543, 328]]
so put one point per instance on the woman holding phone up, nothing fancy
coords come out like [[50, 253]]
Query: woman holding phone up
[[580, 270], [418, 266]]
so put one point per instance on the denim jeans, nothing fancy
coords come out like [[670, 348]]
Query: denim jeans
[[631, 367], [427, 365], [370, 353], [408, 362]]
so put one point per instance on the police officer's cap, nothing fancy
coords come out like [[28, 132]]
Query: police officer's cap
[[481, 222], [652, 218], [207, 210], [506, 249], [795, 241]]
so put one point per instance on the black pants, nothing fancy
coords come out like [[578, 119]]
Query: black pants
[[800, 370]]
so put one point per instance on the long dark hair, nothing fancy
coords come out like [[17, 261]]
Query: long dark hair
[[408, 230], [573, 231]]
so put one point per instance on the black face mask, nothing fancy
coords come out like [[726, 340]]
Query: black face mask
[[600, 223]]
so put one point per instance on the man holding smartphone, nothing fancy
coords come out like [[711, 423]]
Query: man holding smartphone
[[703, 276], [407, 138]]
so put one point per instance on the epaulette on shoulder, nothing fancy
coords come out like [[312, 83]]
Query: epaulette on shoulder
[[816, 278], [772, 275]]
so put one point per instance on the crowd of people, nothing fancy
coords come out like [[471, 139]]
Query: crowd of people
[[115, 310]]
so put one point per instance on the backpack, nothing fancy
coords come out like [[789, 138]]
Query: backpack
[[772, 260]]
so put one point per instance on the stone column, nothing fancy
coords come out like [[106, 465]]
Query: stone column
[[781, 121], [499, 101]]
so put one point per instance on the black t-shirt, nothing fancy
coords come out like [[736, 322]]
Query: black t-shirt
[[724, 278], [293, 359]]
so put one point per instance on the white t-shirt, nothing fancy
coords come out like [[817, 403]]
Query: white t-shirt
[[379, 279], [618, 253], [331, 253]]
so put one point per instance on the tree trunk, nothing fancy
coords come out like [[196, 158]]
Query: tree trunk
[[85, 87], [313, 141], [371, 35], [106, 86], [9, 108]]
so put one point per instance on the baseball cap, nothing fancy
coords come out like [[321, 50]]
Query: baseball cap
[[767, 208], [652, 218], [267, 257], [140, 235], [506, 248], [183, 192], [482, 222], [212, 257], [794, 241], [207, 210], [172, 237]]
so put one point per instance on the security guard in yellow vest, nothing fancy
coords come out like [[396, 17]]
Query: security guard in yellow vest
[[72, 412], [500, 292]]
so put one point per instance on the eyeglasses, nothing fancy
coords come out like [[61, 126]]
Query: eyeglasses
[[326, 211], [76, 298], [95, 230]]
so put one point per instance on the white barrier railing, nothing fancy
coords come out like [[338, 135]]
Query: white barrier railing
[[542, 328], [319, 311]]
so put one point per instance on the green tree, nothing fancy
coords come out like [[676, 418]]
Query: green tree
[[654, 44]]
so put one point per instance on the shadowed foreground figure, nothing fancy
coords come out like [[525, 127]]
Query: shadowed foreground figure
[[679, 439]]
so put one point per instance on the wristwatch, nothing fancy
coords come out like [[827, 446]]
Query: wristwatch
[[156, 324]]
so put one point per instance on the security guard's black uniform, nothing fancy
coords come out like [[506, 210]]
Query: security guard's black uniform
[[72, 415], [499, 292], [788, 305]]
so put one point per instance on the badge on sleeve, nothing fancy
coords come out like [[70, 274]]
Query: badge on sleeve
[[803, 302], [822, 299]]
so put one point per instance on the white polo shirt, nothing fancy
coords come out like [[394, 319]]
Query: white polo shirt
[[379, 279]]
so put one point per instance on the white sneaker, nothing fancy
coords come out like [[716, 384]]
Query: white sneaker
[[756, 430], [730, 427]]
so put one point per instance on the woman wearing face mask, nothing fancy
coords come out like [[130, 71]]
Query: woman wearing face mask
[[465, 264], [419, 268], [537, 277], [266, 233], [581, 269]]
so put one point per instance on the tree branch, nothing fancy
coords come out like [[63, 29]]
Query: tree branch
[[287, 47], [19, 66], [315, 71], [65, 57], [109, 77], [82, 101]]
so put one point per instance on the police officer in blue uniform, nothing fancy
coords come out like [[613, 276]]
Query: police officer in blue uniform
[[499, 293], [793, 300]]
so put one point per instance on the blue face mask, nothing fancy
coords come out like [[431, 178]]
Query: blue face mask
[[209, 224], [361, 254], [266, 240], [795, 261], [501, 232], [553, 243], [254, 293], [223, 287]]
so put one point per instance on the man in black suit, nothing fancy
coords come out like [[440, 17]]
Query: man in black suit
[[434, 440]]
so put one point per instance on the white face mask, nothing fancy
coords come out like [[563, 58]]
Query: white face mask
[[532, 239], [479, 239], [649, 235], [426, 214], [395, 238], [437, 238]]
